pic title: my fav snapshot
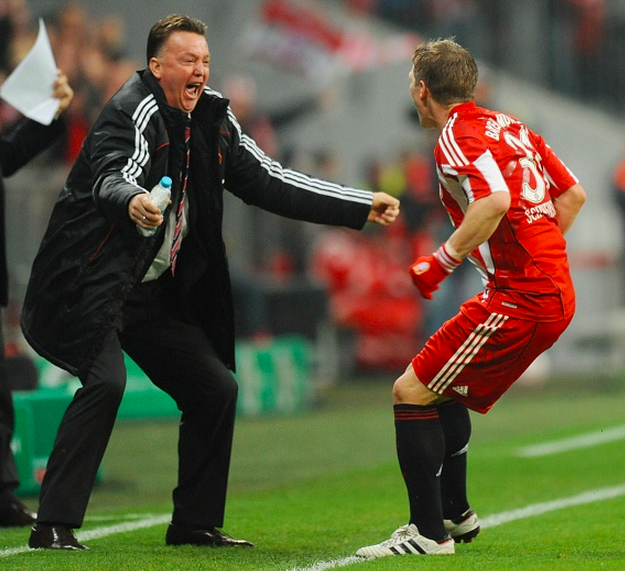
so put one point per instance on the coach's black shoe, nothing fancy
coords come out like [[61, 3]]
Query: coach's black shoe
[[210, 537], [54, 537], [14, 513]]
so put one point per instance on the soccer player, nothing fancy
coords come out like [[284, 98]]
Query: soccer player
[[511, 200]]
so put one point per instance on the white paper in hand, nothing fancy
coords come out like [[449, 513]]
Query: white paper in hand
[[29, 88]]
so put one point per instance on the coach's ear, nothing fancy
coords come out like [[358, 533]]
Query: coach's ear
[[155, 68]]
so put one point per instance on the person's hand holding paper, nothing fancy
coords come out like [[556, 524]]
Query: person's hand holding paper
[[32, 88]]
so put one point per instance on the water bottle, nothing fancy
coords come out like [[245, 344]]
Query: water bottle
[[159, 196]]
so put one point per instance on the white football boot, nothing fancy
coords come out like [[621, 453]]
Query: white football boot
[[465, 528], [407, 541]]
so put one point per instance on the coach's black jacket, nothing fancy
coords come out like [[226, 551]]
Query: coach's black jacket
[[92, 256]]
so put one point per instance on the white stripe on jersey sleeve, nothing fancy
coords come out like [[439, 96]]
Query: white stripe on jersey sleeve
[[567, 168], [487, 260], [552, 182], [453, 153], [489, 169]]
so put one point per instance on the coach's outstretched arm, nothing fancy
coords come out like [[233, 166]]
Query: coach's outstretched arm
[[384, 209]]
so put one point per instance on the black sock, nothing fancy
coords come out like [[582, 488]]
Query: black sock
[[420, 450], [456, 423]]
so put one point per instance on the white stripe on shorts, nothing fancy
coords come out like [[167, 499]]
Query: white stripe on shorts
[[466, 352]]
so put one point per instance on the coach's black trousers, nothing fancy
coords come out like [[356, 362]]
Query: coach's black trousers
[[178, 357]]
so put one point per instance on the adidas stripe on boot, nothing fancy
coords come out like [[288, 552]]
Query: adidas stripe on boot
[[407, 541]]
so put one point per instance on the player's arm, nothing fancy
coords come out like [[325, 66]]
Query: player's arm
[[568, 204], [480, 221]]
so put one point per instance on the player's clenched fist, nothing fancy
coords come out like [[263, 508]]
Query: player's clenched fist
[[429, 271]]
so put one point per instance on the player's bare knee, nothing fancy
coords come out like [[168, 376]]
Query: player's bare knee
[[397, 391], [408, 389]]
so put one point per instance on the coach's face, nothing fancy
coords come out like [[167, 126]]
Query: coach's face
[[182, 69]]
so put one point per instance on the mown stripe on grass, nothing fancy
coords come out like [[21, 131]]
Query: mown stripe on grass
[[574, 443]]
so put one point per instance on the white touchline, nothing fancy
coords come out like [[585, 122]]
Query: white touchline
[[494, 520], [122, 527], [581, 441], [538, 509], [323, 565], [102, 532], [497, 519]]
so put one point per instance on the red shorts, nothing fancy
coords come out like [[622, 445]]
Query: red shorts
[[475, 356]]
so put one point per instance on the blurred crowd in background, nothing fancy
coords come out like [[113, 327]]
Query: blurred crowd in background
[[582, 40], [91, 52], [363, 276]]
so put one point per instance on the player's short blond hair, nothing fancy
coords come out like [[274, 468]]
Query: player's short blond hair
[[447, 69]]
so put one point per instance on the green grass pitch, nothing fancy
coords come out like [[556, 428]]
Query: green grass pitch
[[310, 489]]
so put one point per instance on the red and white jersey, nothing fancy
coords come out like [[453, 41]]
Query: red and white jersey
[[523, 264]]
